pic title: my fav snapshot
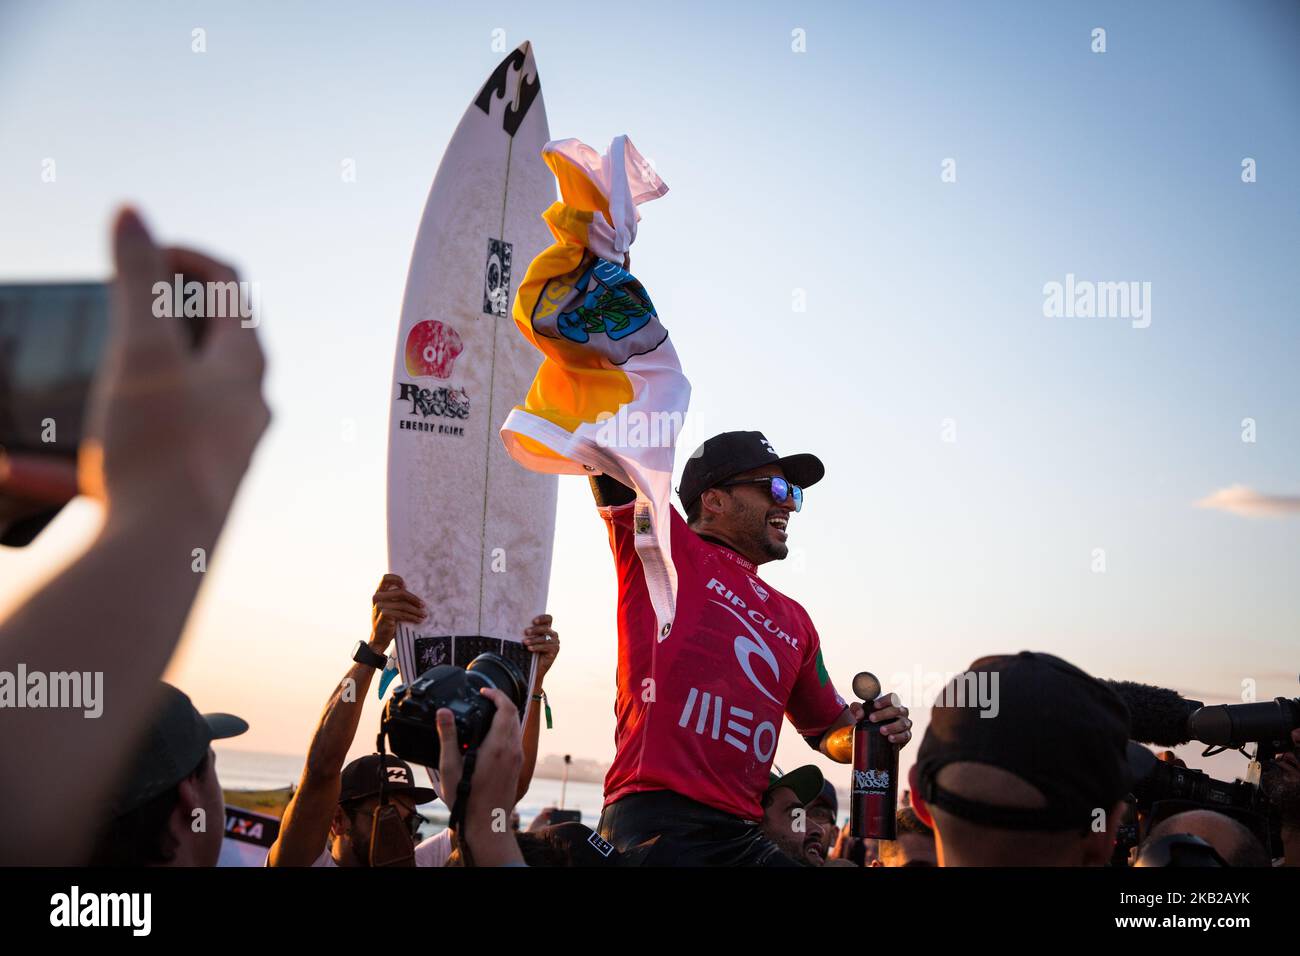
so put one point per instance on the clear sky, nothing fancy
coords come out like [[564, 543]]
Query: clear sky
[[815, 174]]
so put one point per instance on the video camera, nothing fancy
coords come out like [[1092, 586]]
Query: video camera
[[1162, 717]]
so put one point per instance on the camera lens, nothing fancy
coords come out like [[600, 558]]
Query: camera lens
[[503, 675]]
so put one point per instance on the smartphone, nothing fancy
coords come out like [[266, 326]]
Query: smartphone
[[51, 338]]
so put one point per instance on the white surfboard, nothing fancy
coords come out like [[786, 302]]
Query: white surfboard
[[469, 529]]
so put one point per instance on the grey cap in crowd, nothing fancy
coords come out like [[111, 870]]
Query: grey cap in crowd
[[171, 748]]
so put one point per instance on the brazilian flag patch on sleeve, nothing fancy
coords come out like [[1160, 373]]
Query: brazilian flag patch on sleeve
[[822, 676]]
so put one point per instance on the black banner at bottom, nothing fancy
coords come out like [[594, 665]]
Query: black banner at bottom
[[917, 905]]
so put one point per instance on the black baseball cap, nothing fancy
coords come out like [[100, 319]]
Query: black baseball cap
[[806, 782], [829, 797], [727, 455], [171, 748], [365, 776], [1054, 726]]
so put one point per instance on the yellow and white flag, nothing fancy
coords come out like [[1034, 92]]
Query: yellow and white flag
[[610, 396]]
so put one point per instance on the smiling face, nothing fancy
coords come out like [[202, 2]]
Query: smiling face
[[745, 517], [820, 832]]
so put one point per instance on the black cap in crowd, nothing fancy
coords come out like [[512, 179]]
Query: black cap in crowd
[[172, 748], [1056, 727], [731, 453], [806, 782], [365, 776], [829, 797]]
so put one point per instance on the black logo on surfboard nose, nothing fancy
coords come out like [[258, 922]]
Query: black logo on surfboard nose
[[496, 83]]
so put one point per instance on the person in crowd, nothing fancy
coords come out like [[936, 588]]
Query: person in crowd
[[1230, 838], [327, 822], [841, 853], [914, 845], [739, 658], [823, 813], [169, 810], [170, 430], [1281, 783], [1041, 783], [365, 784], [785, 814]]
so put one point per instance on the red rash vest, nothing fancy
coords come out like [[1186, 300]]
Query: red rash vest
[[699, 712]]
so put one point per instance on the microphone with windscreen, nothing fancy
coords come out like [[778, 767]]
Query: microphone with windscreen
[[1163, 717], [1157, 715]]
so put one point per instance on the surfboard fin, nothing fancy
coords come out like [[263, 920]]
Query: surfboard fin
[[387, 677]]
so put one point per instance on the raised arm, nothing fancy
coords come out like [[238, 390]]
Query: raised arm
[[306, 824], [543, 641], [170, 432], [610, 493]]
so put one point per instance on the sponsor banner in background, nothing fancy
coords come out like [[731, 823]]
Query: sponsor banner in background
[[248, 839]]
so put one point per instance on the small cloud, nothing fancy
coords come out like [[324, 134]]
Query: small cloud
[[1249, 503]]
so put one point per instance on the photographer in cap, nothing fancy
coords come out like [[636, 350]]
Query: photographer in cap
[[1039, 779], [699, 709], [364, 784], [169, 811]]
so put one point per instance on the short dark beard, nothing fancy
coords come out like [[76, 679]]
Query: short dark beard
[[754, 524], [360, 854], [749, 537], [360, 857]]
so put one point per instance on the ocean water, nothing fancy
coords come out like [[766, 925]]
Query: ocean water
[[249, 770]]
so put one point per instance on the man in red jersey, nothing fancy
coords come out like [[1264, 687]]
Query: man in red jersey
[[698, 711]]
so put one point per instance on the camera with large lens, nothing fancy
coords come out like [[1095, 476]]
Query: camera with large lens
[[1232, 726], [1167, 789], [410, 716], [1164, 717], [1166, 781]]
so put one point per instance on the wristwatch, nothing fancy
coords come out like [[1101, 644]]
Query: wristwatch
[[364, 655]]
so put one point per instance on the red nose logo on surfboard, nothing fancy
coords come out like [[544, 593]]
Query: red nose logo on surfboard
[[431, 349]]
